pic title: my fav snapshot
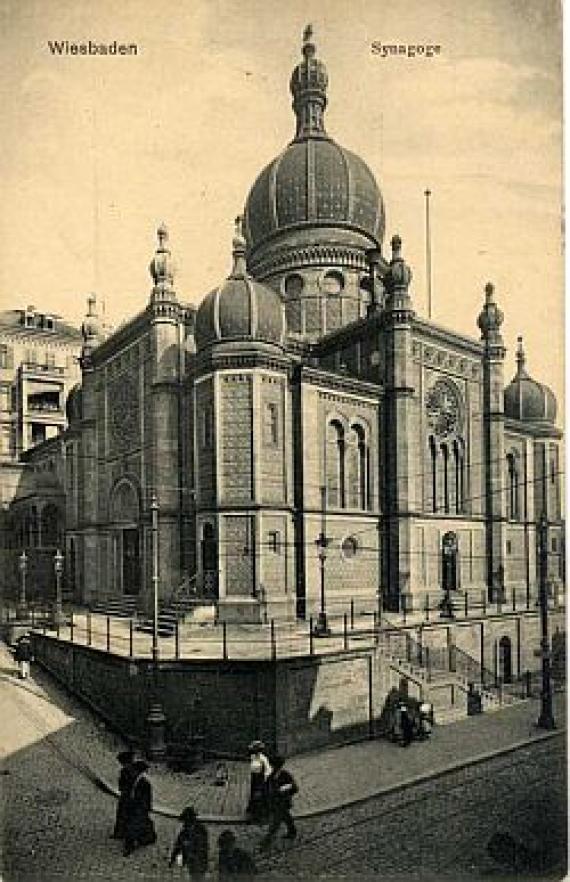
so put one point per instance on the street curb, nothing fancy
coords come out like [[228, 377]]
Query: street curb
[[239, 820], [167, 812]]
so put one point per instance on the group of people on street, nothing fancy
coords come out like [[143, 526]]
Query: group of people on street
[[272, 788], [191, 850], [408, 727]]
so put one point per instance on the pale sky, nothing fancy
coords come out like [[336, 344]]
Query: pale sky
[[97, 151]]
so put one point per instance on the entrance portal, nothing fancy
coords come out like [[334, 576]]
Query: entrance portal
[[505, 660], [125, 517], [131, 562], [209, 561]]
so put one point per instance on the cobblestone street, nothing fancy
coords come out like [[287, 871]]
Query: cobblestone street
[[57, 820]]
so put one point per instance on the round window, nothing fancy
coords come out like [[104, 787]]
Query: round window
[[333, 282], [349, 546]]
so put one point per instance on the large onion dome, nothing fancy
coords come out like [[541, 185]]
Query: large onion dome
[[315, 182], [527, 399], [241, 309]]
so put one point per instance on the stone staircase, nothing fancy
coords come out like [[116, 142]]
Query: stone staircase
[[441, 677], [125, 606], [183, 606]]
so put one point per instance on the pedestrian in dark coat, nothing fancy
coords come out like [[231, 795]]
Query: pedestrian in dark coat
[[191, 846], [260, 770], [23, 655], [407, 726], [126, 775], [139, 828], [234, 863], [282, 788]]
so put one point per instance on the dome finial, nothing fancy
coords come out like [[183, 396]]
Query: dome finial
[[309, 47], [521, 357], [308, 85], [238, 250]]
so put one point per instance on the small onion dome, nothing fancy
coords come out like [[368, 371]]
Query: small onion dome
[[162, 268], [240, 309], [491, 317], [92, 327], [399, 274], [527, 399], [74, 405]]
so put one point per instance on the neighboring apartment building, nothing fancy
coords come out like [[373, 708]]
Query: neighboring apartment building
[[38, 366]]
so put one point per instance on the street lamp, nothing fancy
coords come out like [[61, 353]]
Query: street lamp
[[154, 532], [23, 565], [156, 719], [58, 567], [546, 718], [321, 628]]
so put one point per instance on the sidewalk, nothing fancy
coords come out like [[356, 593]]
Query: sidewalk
[[328, 779]]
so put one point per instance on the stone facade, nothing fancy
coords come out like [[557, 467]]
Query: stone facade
[[305, 420]]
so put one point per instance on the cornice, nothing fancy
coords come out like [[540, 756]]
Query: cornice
[[292, 258], [339, 382], [127, 333], [427, 330], [534, 430]]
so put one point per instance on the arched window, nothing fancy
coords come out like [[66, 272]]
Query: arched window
[[459, 476], [445, 456], [358, 477], [512, 488], [293, 288], [335, 464], [433, 457]]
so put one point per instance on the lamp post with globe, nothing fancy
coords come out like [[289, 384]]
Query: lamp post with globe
[[58, 568]]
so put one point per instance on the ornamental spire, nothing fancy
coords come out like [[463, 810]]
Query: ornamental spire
[[162, 268], [238, 250], [521, 357], [308, 85]]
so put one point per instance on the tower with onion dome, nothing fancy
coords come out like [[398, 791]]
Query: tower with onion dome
[[312, 214]]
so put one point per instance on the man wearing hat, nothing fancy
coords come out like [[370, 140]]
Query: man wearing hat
[[139, 828], [260, 770], [126, 780], [282, 788], [191, 847]]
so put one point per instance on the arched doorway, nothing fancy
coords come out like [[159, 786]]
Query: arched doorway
[[209, 561], [505, 660], [125, 517], [449, 551]]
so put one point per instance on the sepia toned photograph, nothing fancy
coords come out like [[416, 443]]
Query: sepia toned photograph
[[282, 459]]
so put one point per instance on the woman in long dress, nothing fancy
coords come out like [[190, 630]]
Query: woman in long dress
[[260, 770]]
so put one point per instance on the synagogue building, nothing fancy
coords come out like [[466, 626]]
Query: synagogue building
[[303, 417]]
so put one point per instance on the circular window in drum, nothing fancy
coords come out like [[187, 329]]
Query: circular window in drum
[[332, 283], [294, 285], [349, 547]]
